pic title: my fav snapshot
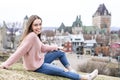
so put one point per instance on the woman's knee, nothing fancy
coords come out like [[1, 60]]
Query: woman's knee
[[61, 52]]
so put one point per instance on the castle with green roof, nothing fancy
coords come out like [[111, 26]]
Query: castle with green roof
[[101, 22]]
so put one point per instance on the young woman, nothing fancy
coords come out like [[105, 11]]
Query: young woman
[[37, 56]]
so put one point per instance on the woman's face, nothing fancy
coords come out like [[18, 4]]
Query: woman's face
[[37, 26]]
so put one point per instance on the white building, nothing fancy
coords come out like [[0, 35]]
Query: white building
[[89, 46], [77, 41]]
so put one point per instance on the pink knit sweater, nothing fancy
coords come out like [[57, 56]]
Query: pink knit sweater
[[32, 50]]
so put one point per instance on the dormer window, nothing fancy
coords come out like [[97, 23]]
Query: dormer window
[[105, 12]]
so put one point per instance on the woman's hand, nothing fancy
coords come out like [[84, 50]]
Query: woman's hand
[[60, 48], [2, 67]]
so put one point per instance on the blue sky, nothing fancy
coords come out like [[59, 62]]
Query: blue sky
[[54, 12]]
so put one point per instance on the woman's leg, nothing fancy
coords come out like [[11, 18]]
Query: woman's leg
[[50, 69], [51, 56]]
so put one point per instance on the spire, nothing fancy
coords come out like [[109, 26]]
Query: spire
[[77, 18], [102, 10], [26, 17], [77, 22]]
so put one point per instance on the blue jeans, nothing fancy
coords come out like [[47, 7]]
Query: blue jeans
[[51, 69]]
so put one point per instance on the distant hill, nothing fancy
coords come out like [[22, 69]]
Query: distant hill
[[49, 28], [114, 28], [53, 28]]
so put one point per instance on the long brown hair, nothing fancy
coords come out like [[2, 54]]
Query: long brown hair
[[28, 26]]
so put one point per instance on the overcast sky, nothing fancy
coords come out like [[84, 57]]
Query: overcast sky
[[54, 12]]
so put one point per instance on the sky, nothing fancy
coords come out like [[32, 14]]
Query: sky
[[54, 12]]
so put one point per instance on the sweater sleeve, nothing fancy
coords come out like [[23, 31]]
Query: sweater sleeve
[[21, 50], [46, 48]]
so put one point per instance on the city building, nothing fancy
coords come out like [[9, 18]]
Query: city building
[[99, 31], [77, 33], [102, 19]]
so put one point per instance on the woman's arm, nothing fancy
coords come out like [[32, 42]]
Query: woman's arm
[[46, 48], [21, 50]]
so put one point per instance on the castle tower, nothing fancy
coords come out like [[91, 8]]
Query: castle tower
[[1, 44], [77, 26], [3, 32], [102, 18], [24, 22]]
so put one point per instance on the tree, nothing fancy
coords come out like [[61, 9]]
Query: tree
[[12, 29]]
